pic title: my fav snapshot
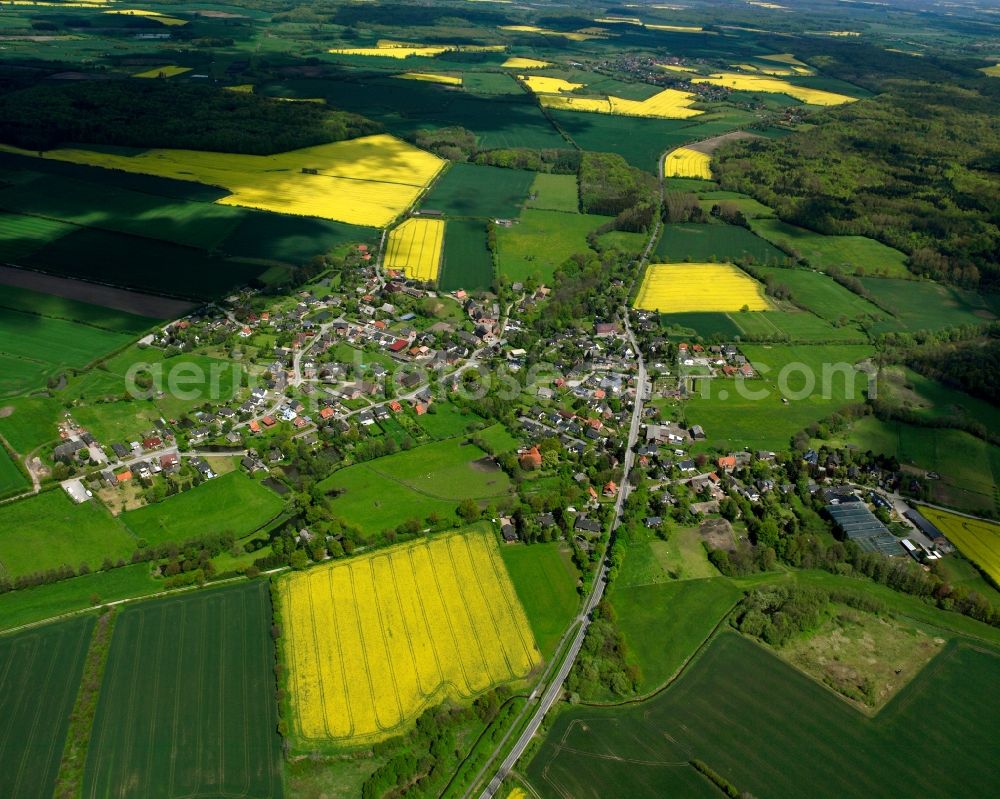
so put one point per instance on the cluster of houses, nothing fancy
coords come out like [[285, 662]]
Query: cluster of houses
[[723, 360]]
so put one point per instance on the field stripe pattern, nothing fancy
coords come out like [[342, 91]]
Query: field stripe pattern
[[684, 288], [373, 641], [415, 247]]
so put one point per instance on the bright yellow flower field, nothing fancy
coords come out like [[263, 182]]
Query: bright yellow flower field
[[432, 77], [978, 540], [756, 83], [668, 104], [687, 163], [165, 72], [366, 181], [415, 248], [689, 288], [516, 62], [371, 642], [540, 84]]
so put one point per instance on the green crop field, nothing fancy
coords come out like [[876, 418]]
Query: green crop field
[[849, 254], [292, 239], [541, 241], [700, 323], [545, 580], [28, 422], [748, 206], [49, 530], [206, 723], [694, 242], [167, 268], [34, 302], [822, 295], [233, 503], [772, 731], [481, 192], [30, 605], [922, 305], [467, 262], [665, 623], [432, 478], [554, 193], [22, 235], [795, 326], [40, 673], [762, 420], [11, 478]]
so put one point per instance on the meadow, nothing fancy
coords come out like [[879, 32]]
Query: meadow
[[796, 327], [934, 401], [55, 342], [371, 642], [823, 296], [41, 672], [762, 420], [415, 248], [541, 241], [746, 205], [665, 623], [554, 193], [233, 503], [691, 287], [12, 479], [978, 540], [49, 530], [855, 255], [731, 709], [53, 307], [432, 478], [545, 580], [467, 262], [482, 192], [364, 181], [696, 242], [206, 726], [923, 305]]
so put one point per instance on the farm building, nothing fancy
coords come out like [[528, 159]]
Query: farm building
[[859, 524]]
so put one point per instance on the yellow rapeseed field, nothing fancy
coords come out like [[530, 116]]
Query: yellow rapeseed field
[[676, 68], [679, 28], [993, 71], [373, 641], [516, 62], [784, 58], [978, 540], [688, 288], [540, 84], [573, 36], [163, 19], [667, 104], [162, 72], [756, 83], [366, 181], [687, 163], [432, 77], [415, 248], [388, 48]]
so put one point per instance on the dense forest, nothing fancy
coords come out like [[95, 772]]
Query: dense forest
[[918, 168], [971, 366], [155, 113]]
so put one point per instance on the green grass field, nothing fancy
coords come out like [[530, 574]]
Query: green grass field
[[30, 605], [33, 302], [11, 478], [705, 324], [21, 235], [554, 193], [291, 239], [29, 422], [541, 241], [694, 242], [480, 192], [795, 327], [233, 503], [822, 295], [49, 530], [498, 439], [206, 723], [432, 478], [934, 401], [922, 305], [855, 255], [545, 580], [665, 624], [772, 731], [761, 420], [447, 421], [748, 206], [40, 673], [467, 262]]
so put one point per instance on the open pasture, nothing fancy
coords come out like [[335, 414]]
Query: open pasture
[[978, 540], [923, 305], [40, 674], [772, 731], [697, 242], [415, 248], [681, 288], [365, 181], [482, 192], [855, 255], [206, 723], [233, 502], [554, 193], [541, 241], [432, 478], [49, 530], [795, 327], [371, 642], [687, 163], [468, 262], [11, 478], [822, 295]]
